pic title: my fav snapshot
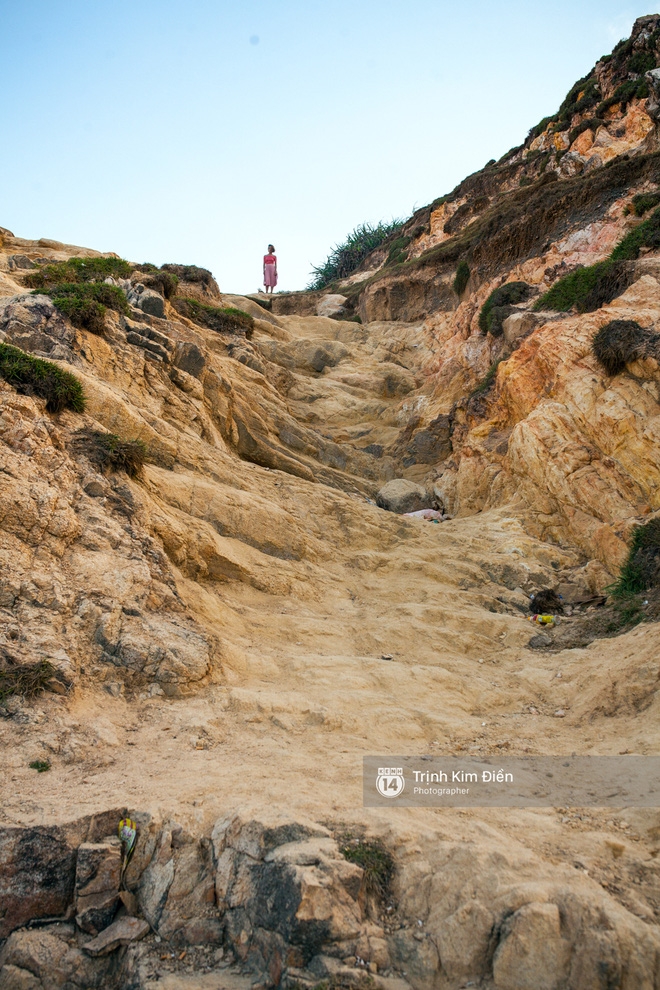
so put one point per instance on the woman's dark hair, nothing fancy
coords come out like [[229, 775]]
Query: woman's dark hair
[[271, 248]]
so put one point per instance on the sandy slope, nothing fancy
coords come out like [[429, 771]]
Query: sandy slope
[[278, 591]]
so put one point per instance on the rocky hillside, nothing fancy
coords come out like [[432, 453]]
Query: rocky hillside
[[213, 602]]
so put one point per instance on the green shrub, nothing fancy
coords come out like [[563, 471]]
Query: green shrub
[[641, 571], [77, 270], [85, 303], [581, 97], [526, 180], [34, 376], [224, 320], [622, 341], [375, 861], [162, 281], [39, 765], [538, 129], [26, 679], [345, 258], [641, 62], [623, 94], [644, 202], [587, 288], [190, 273], [108, 452], [487, 382], [505, 296], [461, 278], [592, 124], [646, 235], [398, 253]]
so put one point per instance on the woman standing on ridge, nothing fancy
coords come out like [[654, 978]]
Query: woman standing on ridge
[[270, 269]]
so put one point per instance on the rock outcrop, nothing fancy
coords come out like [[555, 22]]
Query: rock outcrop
[[279, 899]]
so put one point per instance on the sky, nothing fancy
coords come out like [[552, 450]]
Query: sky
[[199, 132]]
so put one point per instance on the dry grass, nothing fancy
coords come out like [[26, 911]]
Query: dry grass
[[622, 341], [108, 452], [25, 679]]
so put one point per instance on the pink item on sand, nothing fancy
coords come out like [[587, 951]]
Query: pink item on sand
[[428, 514]]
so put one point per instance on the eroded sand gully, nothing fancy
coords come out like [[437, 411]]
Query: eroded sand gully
[[278, 590]]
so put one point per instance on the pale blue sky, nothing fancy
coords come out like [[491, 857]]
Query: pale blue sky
[[199, 132]]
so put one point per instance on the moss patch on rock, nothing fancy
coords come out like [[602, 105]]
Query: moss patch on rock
[[588, 288]]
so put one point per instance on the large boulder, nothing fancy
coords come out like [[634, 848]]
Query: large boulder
[[401, 496], [147, 300], [34, 324], [331, 305]]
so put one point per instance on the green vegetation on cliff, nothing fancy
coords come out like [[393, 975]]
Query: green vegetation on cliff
[[591, 287], [346, 258], [108, 452], [77, 270], [641, 571], [34, 376], [499, 305], [86, 303], [461, 278], [222, 319]]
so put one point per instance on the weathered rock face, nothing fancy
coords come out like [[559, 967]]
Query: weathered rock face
[[98, 868], [277, 896], [286, 891], [576, 443], [38, 868]]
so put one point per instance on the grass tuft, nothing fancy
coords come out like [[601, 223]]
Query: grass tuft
[[224, 320], [190, 273], [41, 766], [77, 270], [461, 278], [644, 202], [86, 303], [646, 235], [162, 281], [587, 288], [499, 305], [34, 376], [345, 258], [622, 341], [398, 251], [108, 452], [376, 862], [641, 571], [26, 679]]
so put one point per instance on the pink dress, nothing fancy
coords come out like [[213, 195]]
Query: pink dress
[[270, 270]]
